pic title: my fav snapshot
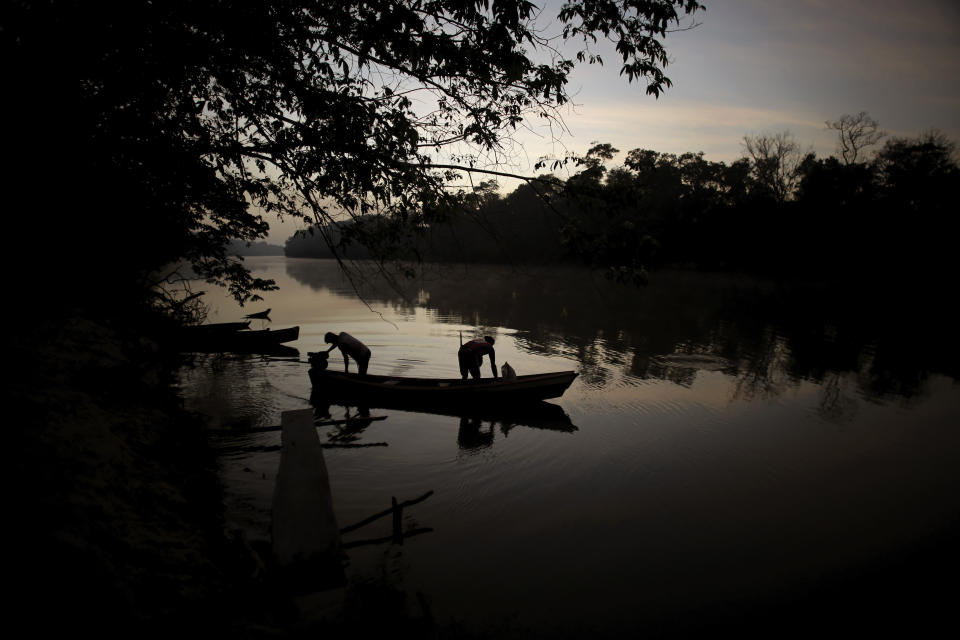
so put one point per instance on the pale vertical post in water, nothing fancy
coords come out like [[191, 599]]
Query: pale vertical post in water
[[306, 539]]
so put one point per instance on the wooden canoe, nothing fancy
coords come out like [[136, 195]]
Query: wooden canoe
[[400, 392], [242, 340]]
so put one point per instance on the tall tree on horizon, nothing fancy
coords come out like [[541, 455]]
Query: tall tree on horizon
[[855, 134]]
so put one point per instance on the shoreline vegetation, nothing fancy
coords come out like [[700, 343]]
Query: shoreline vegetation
[[118, 524], [118, 530], [242, 248], [780, 214]]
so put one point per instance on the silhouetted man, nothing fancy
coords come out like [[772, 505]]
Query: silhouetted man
[[471, 357], [350, 347]]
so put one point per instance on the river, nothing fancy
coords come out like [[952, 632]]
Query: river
[[731, 444]]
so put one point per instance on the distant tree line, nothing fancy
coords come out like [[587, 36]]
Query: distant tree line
[[245, 248], [776, 210]]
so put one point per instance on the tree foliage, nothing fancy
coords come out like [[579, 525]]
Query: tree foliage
[[183, 125]]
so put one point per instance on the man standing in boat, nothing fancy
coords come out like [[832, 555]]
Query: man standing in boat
[[471, 357], [350, 347]]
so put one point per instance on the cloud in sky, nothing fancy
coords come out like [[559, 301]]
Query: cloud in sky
[[715, 129], [770, 65]]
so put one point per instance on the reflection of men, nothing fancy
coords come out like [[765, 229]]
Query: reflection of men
[[350, 347], [471, 357], [470, 436], [352, 426]]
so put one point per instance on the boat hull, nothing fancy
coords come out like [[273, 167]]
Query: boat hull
[[400, 392], [241, 341]]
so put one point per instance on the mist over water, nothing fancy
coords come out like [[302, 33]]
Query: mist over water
[[729, 441]]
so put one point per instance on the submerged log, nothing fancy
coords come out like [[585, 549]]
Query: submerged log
[[385, 512]]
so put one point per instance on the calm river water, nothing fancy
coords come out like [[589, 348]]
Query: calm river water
[[730, 444]]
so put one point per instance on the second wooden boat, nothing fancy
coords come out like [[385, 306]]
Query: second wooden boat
[[242, 340]]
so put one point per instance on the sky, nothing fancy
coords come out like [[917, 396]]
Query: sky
[[751, 67]]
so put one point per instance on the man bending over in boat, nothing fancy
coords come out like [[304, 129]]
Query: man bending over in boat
[[471, 357], [350, 347]]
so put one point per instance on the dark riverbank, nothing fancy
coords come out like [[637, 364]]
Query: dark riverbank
[[116, 519]]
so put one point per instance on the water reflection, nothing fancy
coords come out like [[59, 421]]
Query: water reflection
[[477, 429], [770, 336], [348, 430], [235, 391], [477, 425], [701, 454], [473, 434]]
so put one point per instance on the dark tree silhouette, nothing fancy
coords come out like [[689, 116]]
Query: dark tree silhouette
[[776, 160], [890, 218], [178, 126], [854, 134]]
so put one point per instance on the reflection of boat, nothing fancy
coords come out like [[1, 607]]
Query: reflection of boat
[[238, 339], [536, 414], [436, 393]]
